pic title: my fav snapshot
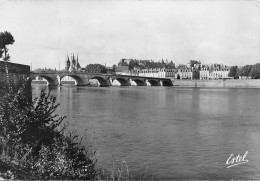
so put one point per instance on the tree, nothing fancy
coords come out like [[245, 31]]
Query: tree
[[196, 73], [193, 63], [34, 141], [244, 71], [233, 72], [6, 38], [162, 64], [171, 65], [95, 68], [255, 71], [114, 67], [133, 64], [247, 70], [40, 70]]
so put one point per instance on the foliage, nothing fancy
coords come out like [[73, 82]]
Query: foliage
[[244, 71], [255, 71], [233, 72], [33, 139], [30, 122], [195, 74], [123, 64], [133, 64], [95, 68], [41, 70], [193, 63], [171, 65], [252, 71], [114, 68], [6, 38], [147, 64]]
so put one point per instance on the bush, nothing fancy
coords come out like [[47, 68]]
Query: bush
[[34, 140]]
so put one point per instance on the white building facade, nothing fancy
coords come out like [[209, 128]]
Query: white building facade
[[204, 74], [222, 73], [159, 73], [184, 73]]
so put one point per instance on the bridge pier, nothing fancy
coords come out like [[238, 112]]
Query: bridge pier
[[132, 83], [54, 83], [137, 82], [59, 80], [109, 81], [121, 82], [160, 83], [147, 82]]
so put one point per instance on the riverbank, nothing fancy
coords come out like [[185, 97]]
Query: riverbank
[[34, 143], [248, 83], [10, 171]]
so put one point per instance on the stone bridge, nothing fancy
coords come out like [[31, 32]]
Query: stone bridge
[[82, 79]]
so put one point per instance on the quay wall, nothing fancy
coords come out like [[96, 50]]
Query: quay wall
[[244, 83], [16, 72]]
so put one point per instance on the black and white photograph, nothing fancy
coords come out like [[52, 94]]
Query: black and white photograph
[[129, 90]]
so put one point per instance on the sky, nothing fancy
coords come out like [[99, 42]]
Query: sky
[[105, 31]]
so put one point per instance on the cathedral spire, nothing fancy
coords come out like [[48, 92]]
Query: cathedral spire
[[77, 63], [68, 59], [67, 63]]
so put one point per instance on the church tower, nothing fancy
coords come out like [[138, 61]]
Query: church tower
[[77, 64], [67, 64], [73, 63]]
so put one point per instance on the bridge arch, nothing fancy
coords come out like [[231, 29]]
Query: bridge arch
[[101, 81], [166, 83], [50, 80], [121, 81], [78, 80], [153, 82], [139, 82]]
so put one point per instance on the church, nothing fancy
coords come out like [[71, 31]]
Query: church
[[72, 64]]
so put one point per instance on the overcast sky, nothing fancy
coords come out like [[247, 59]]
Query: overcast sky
[[102, 31]]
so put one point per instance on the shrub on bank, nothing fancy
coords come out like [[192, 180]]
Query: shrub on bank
[[34, 142]]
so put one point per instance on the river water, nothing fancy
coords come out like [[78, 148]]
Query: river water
[[168, 132]]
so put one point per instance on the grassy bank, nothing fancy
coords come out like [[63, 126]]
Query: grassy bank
[[36, 144]]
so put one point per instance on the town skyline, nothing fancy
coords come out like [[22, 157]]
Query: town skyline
[[106, 31], [166, 61]]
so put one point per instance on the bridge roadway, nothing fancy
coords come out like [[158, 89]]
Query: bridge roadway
[[82, 79]]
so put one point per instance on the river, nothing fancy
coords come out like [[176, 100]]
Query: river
[[168, 132]]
